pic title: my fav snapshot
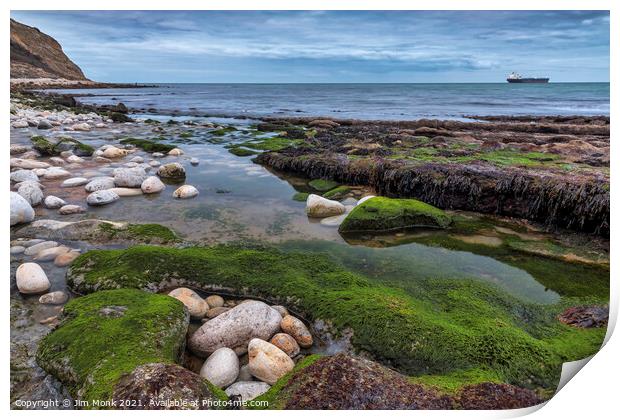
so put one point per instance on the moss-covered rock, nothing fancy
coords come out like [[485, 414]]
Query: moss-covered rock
[[347, 383], [322, 185], [457, 325], [337, 193], [301, 196], [95, 230], [107, 334], [384, 214], [159, 386], [119, 117], [47, 148], [148, 145], [241, 151]]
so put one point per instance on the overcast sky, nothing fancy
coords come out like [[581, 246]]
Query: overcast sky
[[286, 47]]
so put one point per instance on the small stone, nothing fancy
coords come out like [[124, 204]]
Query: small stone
[[175, 152], [44, 125], [53, 202], [31, 279], [317, 206], [171, 170], [152, 185], [368, 197], [114, 153], [286, 343], [57, 161], [194, 161], [129, 177], [21, 210], [17, 249], [185, 191], [50, 254], [281, 309], [65, 259], [154, 163], [75, 159], [196, 305], [214, 312], [247, 390], [221, 368], [158, 154], [22, 175], [245, 374], [54, 298], [137, 159], [126, 192], [74, 182], [81, 127], [71, 209], [100, 198], [56, 172], [38, 247], [295, 328], [31, 192], [267, 362], [100, 183], [28, 164], [215, 301]]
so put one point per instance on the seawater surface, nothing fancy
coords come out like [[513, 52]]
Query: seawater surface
[[362, 101]]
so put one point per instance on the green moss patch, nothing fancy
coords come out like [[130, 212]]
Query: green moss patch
[[108, 334], [148, 145], [150, 233], [322, 185], [241, 151], [47, 148], [271, 144], [384, 214], [457, 325], [301, 196], [337, 193]]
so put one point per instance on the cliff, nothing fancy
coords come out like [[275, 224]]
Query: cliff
[[36, 55]]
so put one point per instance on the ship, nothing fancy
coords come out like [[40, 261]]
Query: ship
[[516, 78]]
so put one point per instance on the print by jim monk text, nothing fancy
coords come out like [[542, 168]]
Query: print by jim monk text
[[137, 404]]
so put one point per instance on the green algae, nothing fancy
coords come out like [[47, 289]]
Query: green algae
[[223, 131], [456, 325], [384, 214], [271, 144], [108, 334], [322, 185], [148, 145], [301, 196], [47, 148], [337, 193], [279, 393], [144, 233], [241, 151]]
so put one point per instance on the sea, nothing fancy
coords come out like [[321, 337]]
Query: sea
[[399, 101]]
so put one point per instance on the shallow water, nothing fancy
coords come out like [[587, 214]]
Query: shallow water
[[242, 201]]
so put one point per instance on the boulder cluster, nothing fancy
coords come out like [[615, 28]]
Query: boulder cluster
[[248, 345]]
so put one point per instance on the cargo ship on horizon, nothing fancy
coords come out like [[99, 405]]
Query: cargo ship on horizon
[[516, 78]]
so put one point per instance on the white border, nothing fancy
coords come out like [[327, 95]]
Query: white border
[[591, 394]]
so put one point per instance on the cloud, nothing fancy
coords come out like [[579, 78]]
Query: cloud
[[298, 44]]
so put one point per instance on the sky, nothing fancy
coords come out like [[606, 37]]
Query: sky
[[330, 46]]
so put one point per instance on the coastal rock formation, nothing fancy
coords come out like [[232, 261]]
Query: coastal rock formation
[[106, 335], [546, 170], [384, 214], [37, 55], [154, 386]]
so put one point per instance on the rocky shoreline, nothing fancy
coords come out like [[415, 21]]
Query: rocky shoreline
[[226, 325], [554, 171]]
